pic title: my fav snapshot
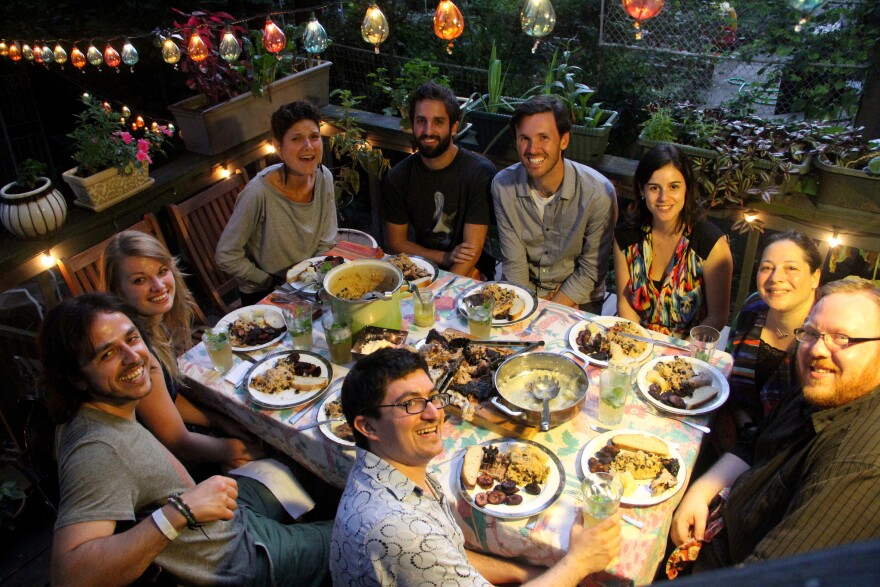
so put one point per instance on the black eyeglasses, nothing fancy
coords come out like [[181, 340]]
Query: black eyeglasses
[[832, 341], [417, 405]]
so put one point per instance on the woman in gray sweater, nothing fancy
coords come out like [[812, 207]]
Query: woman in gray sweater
[[285, 214]]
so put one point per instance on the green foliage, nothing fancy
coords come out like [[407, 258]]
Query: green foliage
[[560, 81], [847, 146], [413, 74], [351, 144], [29, 172], [101, 140]]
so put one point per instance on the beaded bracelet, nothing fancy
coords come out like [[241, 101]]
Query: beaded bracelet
[[187, 513]]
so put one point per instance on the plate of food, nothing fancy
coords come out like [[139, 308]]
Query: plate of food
[[287, 379], [417, 271], [512, 302], [309, 274], [509, 478], [595, 339], [331, 408], [682, 385], [650, 468], [254, 327]]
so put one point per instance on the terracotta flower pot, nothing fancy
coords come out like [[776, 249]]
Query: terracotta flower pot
[[34, 214], [103, 189]]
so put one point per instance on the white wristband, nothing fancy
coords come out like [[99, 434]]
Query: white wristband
[[164, 525]]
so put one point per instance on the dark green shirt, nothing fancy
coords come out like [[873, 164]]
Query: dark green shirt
[[813, 482]]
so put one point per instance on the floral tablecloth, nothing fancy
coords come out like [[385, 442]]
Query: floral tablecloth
[[546, 538]]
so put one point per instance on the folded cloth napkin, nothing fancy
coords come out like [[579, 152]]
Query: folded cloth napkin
[[281, 482], [353, 251], [683, 557]]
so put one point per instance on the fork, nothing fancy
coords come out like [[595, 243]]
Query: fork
[[534, 321], [656, 412]]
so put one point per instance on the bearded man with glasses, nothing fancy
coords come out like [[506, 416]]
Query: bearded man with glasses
[[810, 478], [394, 525]]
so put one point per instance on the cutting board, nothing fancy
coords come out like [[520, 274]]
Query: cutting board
[[485, 414]]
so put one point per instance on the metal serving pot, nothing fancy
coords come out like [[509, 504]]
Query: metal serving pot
[[379, 279], [515, 400]]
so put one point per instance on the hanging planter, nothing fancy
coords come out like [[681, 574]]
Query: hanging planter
[[32, 214], [103, 189]]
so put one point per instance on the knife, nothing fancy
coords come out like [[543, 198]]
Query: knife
[[501, 342], [308, 405], [686, 348]]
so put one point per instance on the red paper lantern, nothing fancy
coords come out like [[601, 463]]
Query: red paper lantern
[[642, 10]]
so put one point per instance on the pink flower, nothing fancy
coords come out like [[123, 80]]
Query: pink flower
[[126, 137], [143, 156], [143, 145]]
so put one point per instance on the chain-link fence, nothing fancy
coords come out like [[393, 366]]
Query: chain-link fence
[[717, 52]]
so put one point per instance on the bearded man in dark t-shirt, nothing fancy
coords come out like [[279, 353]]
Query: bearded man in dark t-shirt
[[435, 203]]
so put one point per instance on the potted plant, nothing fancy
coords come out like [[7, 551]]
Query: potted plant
[[350, 145], [413, 74], [236, 100], [591, 124], [32, 207], [847, 169], [113, 159], [735, 158]]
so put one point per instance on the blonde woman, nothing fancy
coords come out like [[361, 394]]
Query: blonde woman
[[140, 270]]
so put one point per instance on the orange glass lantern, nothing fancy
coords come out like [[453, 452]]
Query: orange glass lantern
[[448, 22], [15, 52], [273, 37], [642, 10], [76, 57], [4, 49], [196, 50]]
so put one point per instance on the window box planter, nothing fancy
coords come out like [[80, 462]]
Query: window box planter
[[216, 129], [841, 187], [103, 189], [588, 144]]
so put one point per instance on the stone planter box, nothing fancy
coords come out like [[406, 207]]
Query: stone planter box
[[103, 189], [34, 214], [839, 187], [216, 129], [587, 144]]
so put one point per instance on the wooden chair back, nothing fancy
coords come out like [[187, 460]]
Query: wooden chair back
[[199, 222], [82, 271]]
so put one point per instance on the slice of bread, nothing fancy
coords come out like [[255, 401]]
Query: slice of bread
[[301, 383], [640, 442], [470, 467], [517, 307], [701, 397]]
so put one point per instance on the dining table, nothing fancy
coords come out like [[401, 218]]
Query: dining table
[[541, 539]]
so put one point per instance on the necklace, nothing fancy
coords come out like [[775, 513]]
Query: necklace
[[779, 331]]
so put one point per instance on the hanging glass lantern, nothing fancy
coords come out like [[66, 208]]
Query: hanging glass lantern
[[229, 47], [77, 58], [15, 51], [129, 54], [4, 48], [27, 52], [38, 53], [642, 10], [139, 121], [170, 52], [126, 112], [196, 50], [273, 37], [94, 56], [448, 22], [60, 54], [374, 28], [111, 56], [46, 54], [537, 20], [315, 38]]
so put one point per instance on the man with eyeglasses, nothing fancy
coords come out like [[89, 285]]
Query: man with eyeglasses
[[810, 478], [394, 525]]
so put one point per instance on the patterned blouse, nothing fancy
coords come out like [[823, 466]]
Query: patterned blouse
[[675, 304]]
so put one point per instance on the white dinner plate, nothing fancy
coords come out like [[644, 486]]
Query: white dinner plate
[[306, 287], [528, 298], [232, 316], [608, 322], [719, 382], [642, 495], [424, 264], [288, 398], [329, 429], [531, 504]]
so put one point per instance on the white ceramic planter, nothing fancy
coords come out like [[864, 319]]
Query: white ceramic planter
[[34, 214], [103, 189], [215, 129]]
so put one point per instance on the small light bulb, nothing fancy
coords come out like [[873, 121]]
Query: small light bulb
[[270, 149], [47, 260], [834, 241]]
